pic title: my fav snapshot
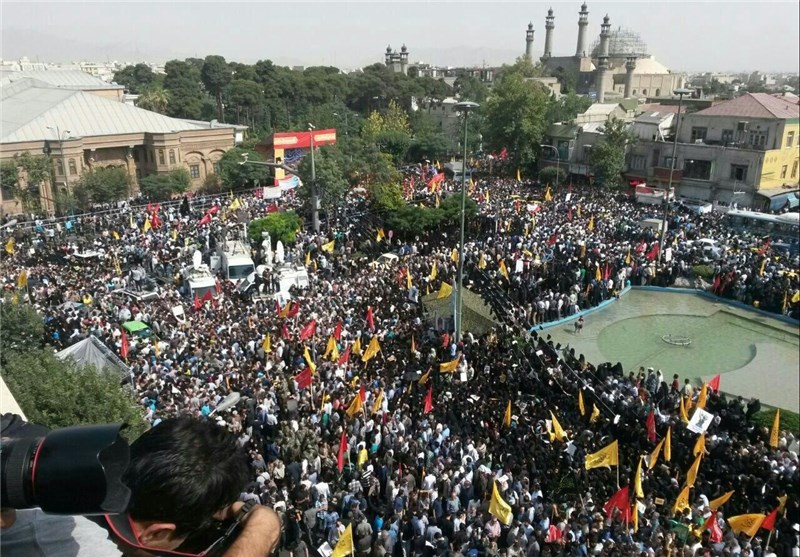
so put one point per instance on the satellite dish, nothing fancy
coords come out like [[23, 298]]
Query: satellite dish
[[229, 402], [197, 258]]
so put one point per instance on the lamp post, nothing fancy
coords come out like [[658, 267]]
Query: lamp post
[[314, 200], [346, 127], [680, 92], [558, 160], [464, 108]]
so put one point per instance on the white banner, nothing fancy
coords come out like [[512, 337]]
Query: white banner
[[700, 421]]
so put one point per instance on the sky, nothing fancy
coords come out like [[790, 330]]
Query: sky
[[684, 36]]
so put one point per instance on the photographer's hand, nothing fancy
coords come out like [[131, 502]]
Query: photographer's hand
[[260, 535]]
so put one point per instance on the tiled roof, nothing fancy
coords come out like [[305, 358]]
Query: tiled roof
[[755, 105]]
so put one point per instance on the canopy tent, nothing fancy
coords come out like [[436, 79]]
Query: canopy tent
[[91, 351], [134, 326]]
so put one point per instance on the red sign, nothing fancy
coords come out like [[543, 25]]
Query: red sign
[[302, 140]]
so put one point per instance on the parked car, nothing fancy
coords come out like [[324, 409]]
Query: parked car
[[696, 206]]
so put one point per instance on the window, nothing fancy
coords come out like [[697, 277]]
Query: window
[[656, 157], [789, 139], [658, 92], [638, 162], [758, 139], [699, 134], [739, 172], [794, 169], [172, 156], [727, 136], [667, 162], [73, 169], [161, 156], [697, 170], [194, 170], [59, 167], [644, 92], [784, 169]]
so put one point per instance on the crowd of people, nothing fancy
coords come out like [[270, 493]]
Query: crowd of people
[[359, 409]]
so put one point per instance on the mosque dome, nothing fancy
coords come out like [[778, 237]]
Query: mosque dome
[[621, 44]]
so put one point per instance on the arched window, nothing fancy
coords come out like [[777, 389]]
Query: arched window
[[658, 92], [644, 92], [73, 169], [634, 91], [172, 156]]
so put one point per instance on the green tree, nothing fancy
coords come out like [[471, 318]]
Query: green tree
[[332, 185], [608, 154], [161, 187], [216, 75], [235, 175], [136, 79], [245, 97], [553, 175], [155, 99], [22, 329], [101, 185], [567, 108], [9, 175], [281, 226], [37, 170], [515, 118], [470, 88], [428, 141], [182, 84], [390, 131], [385, 196]]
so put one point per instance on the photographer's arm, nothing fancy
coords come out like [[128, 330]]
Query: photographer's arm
[[260, 535]]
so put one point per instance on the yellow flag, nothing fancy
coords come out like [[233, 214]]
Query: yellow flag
[[776, 430], [763, 267], [595, 414], [413, 345], [22, 279], [330, 347], [444, 291], [10, 246], [635, 516], [437, 201], [684, 415], [380, 236], [782, 502], [147, 226], [482, 263], [597, 275], [267, 344], [507, 415], [519, 177], [449, 367], [372, 350], [682, 502], [699, 445], [174, 234], [454, 255], [133, 223], [471, 185], [607, 456], [499, 508], [486, 196], [156, 348], [329, 246], [424, 378], [654, 455], [356, 349], [355, 406], [747, 523], [637, 482], [691, 475], [308, 258], [558, 431], [668, 445], [235, 205], [591, 220], [502, 269], [115, 234], [579, 210], [434, 272], [547, 195], [408, 279], [309, 361], [701, 398], [345, 544], [719, 501], [628, 257], [581, 407], [378, 402], [796, 297]]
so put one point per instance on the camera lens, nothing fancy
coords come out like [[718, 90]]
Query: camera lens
[[16, 461]]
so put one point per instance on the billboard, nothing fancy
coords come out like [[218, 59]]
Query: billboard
[[289, 148]]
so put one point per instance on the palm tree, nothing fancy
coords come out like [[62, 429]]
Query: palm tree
[[155, 99]]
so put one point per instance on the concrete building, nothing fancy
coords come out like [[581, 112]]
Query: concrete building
[[86, 125], [617, 65], [397, 61]]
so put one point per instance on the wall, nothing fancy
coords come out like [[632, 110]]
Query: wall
[[776, 159]]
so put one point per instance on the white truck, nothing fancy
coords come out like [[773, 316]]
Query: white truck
[[235, 260], [198, 279]]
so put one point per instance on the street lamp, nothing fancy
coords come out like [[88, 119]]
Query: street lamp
[[346, 126], [558, 160], [464, 108], [680, 92]]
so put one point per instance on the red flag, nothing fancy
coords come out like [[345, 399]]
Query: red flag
[[769, 522], [273, 208], [149, 208], [553, 534], [293, 310], [606, 272], [205, 220], [155, 221], [337, 332], [552, 239], [435, 180], [217, 286], [618, 501], [640, 247], [715, 284], [362, 393], [344, 358], [653, 253], [309, 330], [370, 319], [342, 450], [428, 400], [285, 332], [569, 214], [763, 250], [304, 378], [213, 210], [208, 296], [445, 340], [125, 348], [197, 303], [503, 154], [716, 531], [277, 307], [714, 383], [651, 427]]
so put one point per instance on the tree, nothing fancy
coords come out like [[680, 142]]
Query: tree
[[136, 79], [216, 75], [386, 196], [567, 108], [245, 97], [9, 175], [182, 84], [608, 154], [390, 131], [22, 329], [553, 175], [515, 118], [281, 226], [332, 185], [470, 88], [155, 99], [235, 175], [160, 187], [428, 141], [101, 185], [37, 169]]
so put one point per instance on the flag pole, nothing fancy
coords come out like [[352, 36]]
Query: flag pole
[[769, 537], [617, 472]]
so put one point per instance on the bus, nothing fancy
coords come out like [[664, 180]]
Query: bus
[[781, 228]]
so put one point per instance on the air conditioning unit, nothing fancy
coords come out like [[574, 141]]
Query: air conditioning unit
[[741, 126]]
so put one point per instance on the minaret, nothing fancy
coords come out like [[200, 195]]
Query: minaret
[[583, 22], [548, 35], [602, 59], [529, 42], [630, 65], [388, 55], [404, 60]]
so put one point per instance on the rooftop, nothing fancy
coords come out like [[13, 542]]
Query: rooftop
[[62, 79], [756, 105]]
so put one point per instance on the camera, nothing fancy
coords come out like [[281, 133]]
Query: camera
[[75, 470]]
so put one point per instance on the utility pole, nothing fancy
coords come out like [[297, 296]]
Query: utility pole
[[313, 185]]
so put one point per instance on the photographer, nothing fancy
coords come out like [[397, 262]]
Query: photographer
[[185, 476]]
